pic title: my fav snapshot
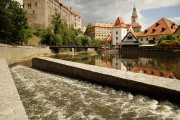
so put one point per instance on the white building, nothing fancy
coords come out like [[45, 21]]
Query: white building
[[119, 31]]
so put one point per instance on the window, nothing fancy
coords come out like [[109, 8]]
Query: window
[[29, 5], [36, 4], [116, 43], [129, 37], [141, 39], [116, 32], [177, 36], [33, 12], [147, 39], [116, 38]]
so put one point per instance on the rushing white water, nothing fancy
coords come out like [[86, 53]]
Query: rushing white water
[[50, 97]]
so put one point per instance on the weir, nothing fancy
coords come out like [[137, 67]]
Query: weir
[[156, 87], [11, 107]]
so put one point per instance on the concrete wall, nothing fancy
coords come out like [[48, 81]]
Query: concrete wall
[[157, 87], [11, 107], [18, 54]]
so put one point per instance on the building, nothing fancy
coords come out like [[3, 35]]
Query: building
[[130, 40], [40, 12], [177, 32], [134, 21], [159, 28], [119, 31], [100, 31]]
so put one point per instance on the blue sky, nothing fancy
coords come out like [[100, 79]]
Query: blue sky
[[172, 12]]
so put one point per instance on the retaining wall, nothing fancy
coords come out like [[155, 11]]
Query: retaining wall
[[156, 87], [11, 107], [18, 54]]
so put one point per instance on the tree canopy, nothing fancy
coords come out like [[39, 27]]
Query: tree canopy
[[13, 23]]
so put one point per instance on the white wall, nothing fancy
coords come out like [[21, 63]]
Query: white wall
[[121, 34]]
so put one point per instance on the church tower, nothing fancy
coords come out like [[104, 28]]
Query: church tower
[[134, 21], [134, 17]]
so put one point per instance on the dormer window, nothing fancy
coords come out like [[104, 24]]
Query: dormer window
[[153, 30], [157, 24], [145, 31], [163, 29], [171, 27], [173, 24]]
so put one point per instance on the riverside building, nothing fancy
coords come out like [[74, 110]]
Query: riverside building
[[100, 31], [39, 13]]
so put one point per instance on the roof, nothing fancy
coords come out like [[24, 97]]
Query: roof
[[119, 23], [177, 29], [128, 26], [161, 27], [135, 24], [108, 39], [103, 25], [71, 11]]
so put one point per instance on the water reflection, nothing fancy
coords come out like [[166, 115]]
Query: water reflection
[[157, 66]]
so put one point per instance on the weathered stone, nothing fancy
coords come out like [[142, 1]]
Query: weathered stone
[[11, 107], [157, 87]]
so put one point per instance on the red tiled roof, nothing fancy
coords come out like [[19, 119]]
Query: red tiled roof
[[119, 23], [128, 26], [108, 39], [161, 27]]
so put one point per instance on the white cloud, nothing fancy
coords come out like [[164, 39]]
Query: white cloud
[[107, 11], [175, 19]]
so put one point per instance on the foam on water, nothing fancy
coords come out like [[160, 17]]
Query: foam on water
[[48, 96]]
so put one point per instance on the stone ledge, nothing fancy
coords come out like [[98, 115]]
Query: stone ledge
[[11, 107], [157, 87]]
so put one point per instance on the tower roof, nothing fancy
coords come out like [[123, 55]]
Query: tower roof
[[119, 23], [161, 27]]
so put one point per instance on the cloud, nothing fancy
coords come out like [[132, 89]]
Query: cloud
[[108, 11]]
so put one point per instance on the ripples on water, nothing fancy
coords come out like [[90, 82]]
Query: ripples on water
[[50, 97]]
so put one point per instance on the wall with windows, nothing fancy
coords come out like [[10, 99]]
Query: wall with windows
[[35, 12], [118, 35], [40, 12], [148, 39]]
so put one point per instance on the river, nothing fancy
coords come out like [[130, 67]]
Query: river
[[47, 96]]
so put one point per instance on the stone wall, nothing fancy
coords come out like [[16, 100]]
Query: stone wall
[[11, 107], [156, 87], [18, 54]]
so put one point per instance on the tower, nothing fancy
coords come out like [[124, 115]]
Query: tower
[[134, 17], [134, 21]]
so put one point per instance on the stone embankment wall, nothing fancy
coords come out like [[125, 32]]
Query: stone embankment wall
[[11, 107], [157, 87], [18, 54]]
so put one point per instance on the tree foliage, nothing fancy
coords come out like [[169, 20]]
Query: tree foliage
[[168, 40], [61, 34], [13, 23], [88, 28]]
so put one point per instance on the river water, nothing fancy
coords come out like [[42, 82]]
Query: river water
[[161, 66], [52, 97]]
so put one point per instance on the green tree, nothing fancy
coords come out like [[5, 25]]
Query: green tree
[[13, 22], [88, 28]]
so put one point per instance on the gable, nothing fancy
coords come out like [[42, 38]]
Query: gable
[[130, 38]]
